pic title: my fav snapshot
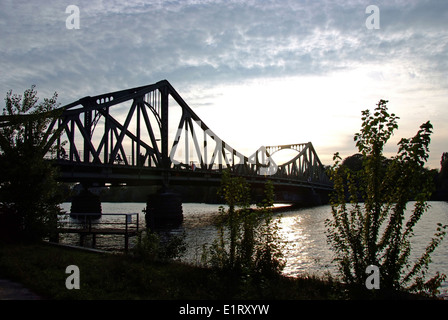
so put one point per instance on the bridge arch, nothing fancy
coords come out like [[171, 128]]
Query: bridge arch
[[144, 145]]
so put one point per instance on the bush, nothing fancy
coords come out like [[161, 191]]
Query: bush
[[248, 241], [28, 185], [153, 247], [368, 224]]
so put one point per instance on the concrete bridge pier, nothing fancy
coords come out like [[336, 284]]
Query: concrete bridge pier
[[86, 203], [314, 197], [304, 197], [164, 209]]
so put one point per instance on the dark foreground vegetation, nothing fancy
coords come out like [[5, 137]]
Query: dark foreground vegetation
[[368, 227], [41, 267]]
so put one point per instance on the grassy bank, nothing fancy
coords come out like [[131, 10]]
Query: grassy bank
[[41, 268], [104, 276]]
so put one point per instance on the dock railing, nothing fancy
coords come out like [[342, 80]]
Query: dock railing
[[84, 224]]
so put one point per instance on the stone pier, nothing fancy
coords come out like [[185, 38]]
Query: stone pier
[[164, 209], [86, 204]]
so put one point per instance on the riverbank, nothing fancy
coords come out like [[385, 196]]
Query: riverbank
[[103, 276], [41, 268]]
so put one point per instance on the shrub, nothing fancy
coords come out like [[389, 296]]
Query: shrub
[[368, 224], [248, 240], [28, 182], [153, 247]]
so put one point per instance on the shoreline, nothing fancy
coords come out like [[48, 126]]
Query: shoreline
[[124, 277]]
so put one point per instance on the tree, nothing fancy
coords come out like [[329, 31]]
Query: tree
[[442, 179], [374, 232], [353, 162], [28, 186], [248, 241]]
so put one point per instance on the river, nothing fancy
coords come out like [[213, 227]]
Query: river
[[302, 231]]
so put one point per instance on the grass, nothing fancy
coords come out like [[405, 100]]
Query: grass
[[41, 268], [103, 276]]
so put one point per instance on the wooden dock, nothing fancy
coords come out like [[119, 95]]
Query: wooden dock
[[128, 227]]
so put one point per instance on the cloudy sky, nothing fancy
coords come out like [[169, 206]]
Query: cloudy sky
[[256, 72]]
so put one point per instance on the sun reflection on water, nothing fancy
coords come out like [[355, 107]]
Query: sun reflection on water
[[302, 231], [303, 235]]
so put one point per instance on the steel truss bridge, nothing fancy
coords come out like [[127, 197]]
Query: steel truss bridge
[[150, 136]]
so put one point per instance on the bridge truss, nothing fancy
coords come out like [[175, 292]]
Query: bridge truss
[[128, 136]]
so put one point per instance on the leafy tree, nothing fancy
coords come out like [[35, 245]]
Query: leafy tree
[[353, 162], [442, 179], [248, 241], [269, 252], [152, 246], [28, 186], [374, 232]]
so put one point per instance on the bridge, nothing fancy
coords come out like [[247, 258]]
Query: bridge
[[150, 136]]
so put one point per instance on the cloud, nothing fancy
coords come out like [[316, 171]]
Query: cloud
[[190, 40], [205, 47]]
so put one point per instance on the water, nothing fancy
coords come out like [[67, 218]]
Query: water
[[302, 231]]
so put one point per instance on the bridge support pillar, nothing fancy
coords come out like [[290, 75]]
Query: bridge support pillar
[[86, 204], [314, 198], [163, 209]]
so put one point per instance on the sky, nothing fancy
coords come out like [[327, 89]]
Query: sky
[[260, 72]]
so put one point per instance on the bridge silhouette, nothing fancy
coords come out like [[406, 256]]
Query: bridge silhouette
[[150, 136]]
